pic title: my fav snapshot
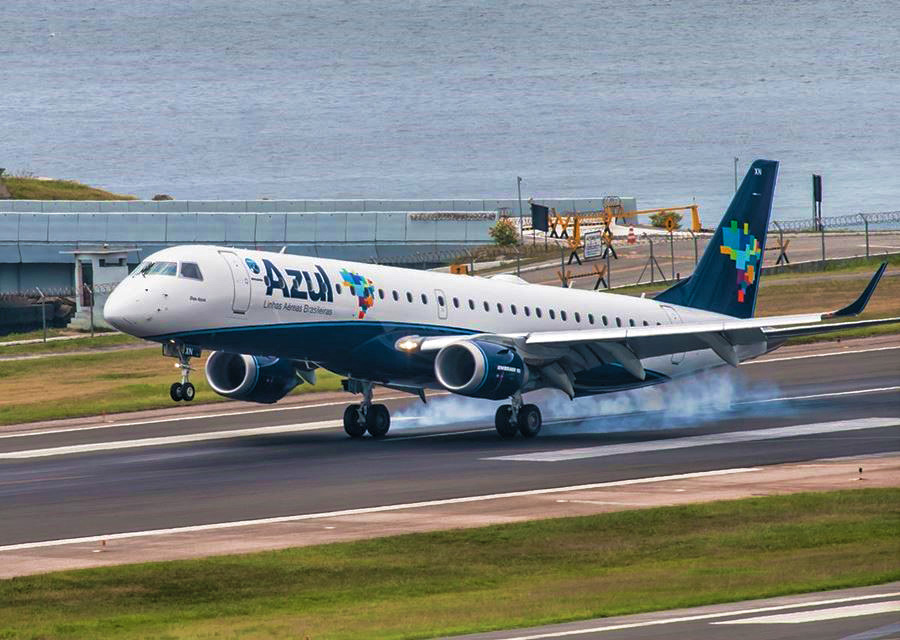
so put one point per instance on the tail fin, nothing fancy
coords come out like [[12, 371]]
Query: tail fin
[[727, 277]]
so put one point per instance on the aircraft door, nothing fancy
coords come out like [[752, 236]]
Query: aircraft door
[[441, 301], [674, 318], [241, 280]]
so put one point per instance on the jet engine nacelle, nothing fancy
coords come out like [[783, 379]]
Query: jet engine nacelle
[[480, 369], [252, 378]]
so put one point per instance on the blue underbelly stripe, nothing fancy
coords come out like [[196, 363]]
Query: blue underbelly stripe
[[297, 325]]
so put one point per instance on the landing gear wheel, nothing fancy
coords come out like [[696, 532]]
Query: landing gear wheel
[[530, 420], [187, 392], [378, 420], [352, 424], [503, 422], [175, 391]]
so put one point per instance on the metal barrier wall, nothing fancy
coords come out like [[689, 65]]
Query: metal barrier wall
[[300, 206], [34, 234]]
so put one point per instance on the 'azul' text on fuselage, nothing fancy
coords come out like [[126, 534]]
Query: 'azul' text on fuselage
[[299, 284]]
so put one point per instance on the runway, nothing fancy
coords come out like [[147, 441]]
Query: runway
[[65, 483], [868, 613]]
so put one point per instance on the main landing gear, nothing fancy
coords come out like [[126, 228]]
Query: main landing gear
[[518, 418], [359, 418], [183, 390]]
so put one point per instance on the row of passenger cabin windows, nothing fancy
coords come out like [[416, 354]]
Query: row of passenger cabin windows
[[514, 309]]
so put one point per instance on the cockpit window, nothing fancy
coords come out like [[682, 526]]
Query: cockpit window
[[140, 268], [190, 270], [160, 268]]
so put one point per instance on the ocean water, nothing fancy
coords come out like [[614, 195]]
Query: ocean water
[[288, 99]]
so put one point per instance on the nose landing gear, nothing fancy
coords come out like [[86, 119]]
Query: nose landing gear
[[518, 418], [359, 418], [183, 390]]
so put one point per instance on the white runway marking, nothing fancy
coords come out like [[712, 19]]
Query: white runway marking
[[700, 616], [833, 394], [817, 615], [764, 360], [366, 510], [226, 414], [334, 424], [561, 455], [163, 440], [200, 416]]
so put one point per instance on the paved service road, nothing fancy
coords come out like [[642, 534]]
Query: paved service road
[[82, 482], [868, 613]]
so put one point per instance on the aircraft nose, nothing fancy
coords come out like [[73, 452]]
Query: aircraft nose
[[117, 310]]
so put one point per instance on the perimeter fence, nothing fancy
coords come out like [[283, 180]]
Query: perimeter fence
[[649, 256]]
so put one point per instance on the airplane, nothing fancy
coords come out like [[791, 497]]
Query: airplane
[[272, 319]]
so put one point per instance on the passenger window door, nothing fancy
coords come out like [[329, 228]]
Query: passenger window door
[[441, 301]]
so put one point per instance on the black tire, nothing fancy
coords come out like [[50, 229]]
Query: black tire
[[378, 420], [187, 392], [352, 424], [530, 420], [175, 391], [503, 422]]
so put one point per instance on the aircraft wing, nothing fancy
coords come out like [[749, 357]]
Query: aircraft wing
[[561, 354]]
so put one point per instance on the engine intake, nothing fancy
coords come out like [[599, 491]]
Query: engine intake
[[252, 378], [480, 369]]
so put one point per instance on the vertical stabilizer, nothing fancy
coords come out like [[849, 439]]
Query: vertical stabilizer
[[727, 277]]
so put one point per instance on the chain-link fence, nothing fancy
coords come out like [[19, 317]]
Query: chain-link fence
[[651, 256], [647, 256], [38, 307]]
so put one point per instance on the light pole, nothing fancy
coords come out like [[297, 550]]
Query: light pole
[[735, 173], [521, 224]]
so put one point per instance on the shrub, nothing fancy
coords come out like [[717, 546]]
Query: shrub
[[659, 219], [505, 233]]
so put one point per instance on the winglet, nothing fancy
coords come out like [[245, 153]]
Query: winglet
[[856, 307]]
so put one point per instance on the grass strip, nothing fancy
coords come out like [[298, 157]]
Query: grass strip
[[103, 382], [27, 188], [425, 585], [37, 333], [131, 380], [99, 341]]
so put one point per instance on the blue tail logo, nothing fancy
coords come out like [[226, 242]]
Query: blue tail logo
[[728, 285], [743, 248]]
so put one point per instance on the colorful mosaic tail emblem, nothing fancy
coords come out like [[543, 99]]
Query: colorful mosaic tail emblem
[[745, 251], [362, 288]]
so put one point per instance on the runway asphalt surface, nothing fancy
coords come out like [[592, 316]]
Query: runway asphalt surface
[[867, 613], [60, 483]]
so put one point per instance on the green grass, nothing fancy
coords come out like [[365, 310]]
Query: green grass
[[865, 267], [32, 335], [24, 188], [103, 382], [426, 585], [82, 343], [793, 293], [855, 264], [848, 334], [115, 381]]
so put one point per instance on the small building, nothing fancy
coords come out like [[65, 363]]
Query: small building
[[97, 272]]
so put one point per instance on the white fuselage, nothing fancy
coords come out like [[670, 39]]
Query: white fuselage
[[243, 289]]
